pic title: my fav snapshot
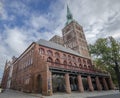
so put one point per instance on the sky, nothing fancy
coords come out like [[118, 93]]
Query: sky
[[25, 21]]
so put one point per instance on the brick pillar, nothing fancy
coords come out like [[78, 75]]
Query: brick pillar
[[105, 84], [99, 87], [47, 83], [80, 84], [50, 84], [111, 83], [67, 82], [90, 83]]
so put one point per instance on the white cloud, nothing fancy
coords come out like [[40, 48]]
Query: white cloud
[[98, 18], [19, 8], [116, 34], [38, 22], [3, 13], [16, 39]]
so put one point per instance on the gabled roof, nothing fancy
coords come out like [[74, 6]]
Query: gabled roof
[[53, 45]]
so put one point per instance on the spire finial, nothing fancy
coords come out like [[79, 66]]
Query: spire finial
[[69, 16]]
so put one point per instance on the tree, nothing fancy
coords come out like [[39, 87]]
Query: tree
[[106, 55]]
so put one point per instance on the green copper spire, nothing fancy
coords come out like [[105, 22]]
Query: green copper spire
[[69, 16]]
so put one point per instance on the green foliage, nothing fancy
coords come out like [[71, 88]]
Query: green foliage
[[105, 52]]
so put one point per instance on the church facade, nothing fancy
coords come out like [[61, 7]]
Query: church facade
[[62, 64]]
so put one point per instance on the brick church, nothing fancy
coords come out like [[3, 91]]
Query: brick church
[[62, 64]]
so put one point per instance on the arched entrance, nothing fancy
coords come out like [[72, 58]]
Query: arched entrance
[[39, 84]]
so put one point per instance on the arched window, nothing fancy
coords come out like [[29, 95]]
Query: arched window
[[41, 51], [89, 62], [49, 52], [84, 62], [49, 59], [70, 64], [65, 62], [64, 56], [85, 66], [31, 60], [80, 65], [89, 67], [75, 64], [57, 61], [79, 60], [57, 55], [74, 59], [69, 57]]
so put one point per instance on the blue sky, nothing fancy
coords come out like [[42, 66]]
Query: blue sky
[[25, 21]]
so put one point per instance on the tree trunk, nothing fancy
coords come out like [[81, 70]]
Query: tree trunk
[[117, 73]]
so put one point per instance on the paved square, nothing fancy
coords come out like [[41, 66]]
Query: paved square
[[95, 94]]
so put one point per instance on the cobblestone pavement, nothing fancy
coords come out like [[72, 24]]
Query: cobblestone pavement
[[83, 95], [17, 94]]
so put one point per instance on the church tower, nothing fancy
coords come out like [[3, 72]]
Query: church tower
[[73, 36]]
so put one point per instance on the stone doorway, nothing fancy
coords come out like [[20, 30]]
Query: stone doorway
[[39, 84]]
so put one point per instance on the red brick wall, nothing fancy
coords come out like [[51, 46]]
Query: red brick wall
[[25, 76]]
